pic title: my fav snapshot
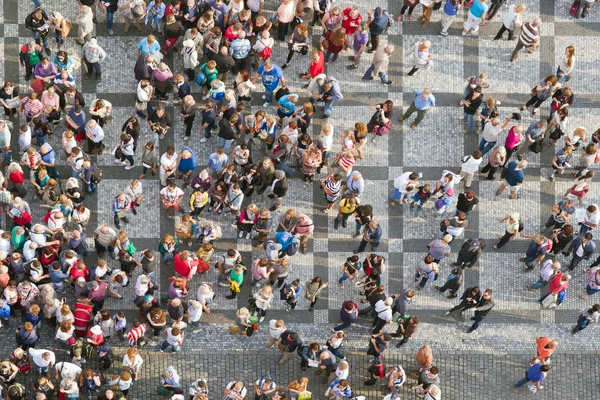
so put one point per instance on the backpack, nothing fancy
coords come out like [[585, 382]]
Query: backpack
[[84, 157], [293, 247], [34, 58], [88, 351], [267, 52], [548, 245], [281, 92], [48, 216], [97, 175]]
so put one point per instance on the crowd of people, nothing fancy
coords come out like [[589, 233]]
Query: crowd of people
[[48, 274]]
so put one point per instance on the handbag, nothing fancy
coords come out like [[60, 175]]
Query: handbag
[[549, 300], [118, 153], [306, 395], [575, 7], [536, 147]]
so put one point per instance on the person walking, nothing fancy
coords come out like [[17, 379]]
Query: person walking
[[557, 291], [475, 17], [547, 272], [469, 299], [287, 344], [534, 376], [482, 309], [513, 227], [422, 57], [529, 38], [514, 179], [512, 21], [422, 102], [536, 251], [348, 315], [371, 234], [380, 64], [451, 8], [587, 316], [469, 253], [582, 247]]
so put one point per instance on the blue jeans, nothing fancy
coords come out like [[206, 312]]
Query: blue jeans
[[470, 122], [529, 262], [328, 56], [206, 132], [478, 319], [584, 229], [539, 284], [358, 227], [363, 245], [521, 382], [336, 352], [174, 348], [8, 156], [75, 174], [225, 144], [59, 39], [342, 278], [396, 196], [562, 78], [268, 96], [38, 37], [343, 326], [369, 74], [37, 3], [109, 19], [485, 146], [328, 108], [289, 171], [152, 276], [91, 188]]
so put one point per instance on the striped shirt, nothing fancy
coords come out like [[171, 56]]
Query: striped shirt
[[332, 189], [529, 34], [136, 334]]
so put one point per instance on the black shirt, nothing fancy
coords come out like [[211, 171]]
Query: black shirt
[[226, 130], [465, 205], [291, 345], [224, 62], [164, 121], [475, 103]]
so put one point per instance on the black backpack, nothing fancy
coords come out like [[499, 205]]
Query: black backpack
[[281, 92], [97, 174]]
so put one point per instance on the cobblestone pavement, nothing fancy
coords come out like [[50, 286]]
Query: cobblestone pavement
[[479, 365]]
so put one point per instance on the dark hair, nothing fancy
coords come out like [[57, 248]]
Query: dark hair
[[545, 368], [434, 370], [567, 230], [588, 236]]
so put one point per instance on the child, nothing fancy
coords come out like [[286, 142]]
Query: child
[[194, 313], [33, 315], [293, 293], [422, 196], [120, 325], [91, 383], [44, 385]]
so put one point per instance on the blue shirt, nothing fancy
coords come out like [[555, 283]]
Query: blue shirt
[[270, 79], [49, 157], [514, 177], [240, 48], [535, 250], [78, 119], [535, 374], [534, 132], [219, 13], [147, 49], [450, 9], [284, 101], [477, 9], [421, 104]]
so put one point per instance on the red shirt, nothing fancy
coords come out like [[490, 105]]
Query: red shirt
[[230, 35], [556, 285], [182, 267], [16, 177], [316, 68], [84, 273], [347, 20]]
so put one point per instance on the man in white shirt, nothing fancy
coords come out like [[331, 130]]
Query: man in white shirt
[[470, 165], [144, 94], [383, 308], [401, 183], [490, 134], [66, 370], [42, 359], [95, 136], [590, 220], [29, 250], [548, 270]]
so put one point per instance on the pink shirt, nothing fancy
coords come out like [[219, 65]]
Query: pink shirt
[[286, 12], [512, 139]]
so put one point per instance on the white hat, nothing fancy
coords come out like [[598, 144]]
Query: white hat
[[96, 330], [81, 280], [188, 43], [92, 43]]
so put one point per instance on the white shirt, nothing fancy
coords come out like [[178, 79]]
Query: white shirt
[[491, 132], [470, 164], [401, 181], [137, 361], [28, 253], [342, 374], [173, 340], [594, 218], [546, 272], [170, 162], [194, 315], [274, 332], [327, 140], [383, 312], [254, 5], [511, 17], [171, 195], [142, 93], [78, 217], [36, 356], [25, 139], [68, 370]]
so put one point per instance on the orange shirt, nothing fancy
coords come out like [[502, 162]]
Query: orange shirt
[[542, 350]]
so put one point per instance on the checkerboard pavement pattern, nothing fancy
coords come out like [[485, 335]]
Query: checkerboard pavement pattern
[[505, 340]]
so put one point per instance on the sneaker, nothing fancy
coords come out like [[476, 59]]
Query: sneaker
[[353, 66], [127, 168], [111, 32], [203, 140], [387, 83], [205, 97], [125, 220], [240, 235], [447, 313], [266, 104], [248, 235], [209, 209], [261, 319], [264, 97], [444, 33]]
